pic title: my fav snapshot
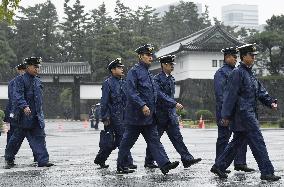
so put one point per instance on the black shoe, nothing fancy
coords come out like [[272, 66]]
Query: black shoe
[[227, 171], [218, 172], [124, 170], [9, 164], [188, 163], [101, 164], [132, 166], [270, 177], [151, 166], [244, 168], [171, 165], [48, 164]]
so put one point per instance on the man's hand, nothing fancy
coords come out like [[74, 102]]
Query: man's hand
[[146, 110], [225, 122], [106, 122], [179, 106], [274, 106], [27, 111]]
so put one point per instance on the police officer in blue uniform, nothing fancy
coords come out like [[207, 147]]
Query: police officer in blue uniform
[[167, 119], [140, 113], [224, 133], [97, 115], [92, 115], [9, 111], [240, 107], [113, 103], [29, 115]]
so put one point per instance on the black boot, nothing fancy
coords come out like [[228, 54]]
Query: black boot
[[9, 164], [171, 165], [151, 166], [218, 172], [227, 171], [270, 177], [124, 170], [188, 163], [244, 168], [48, 164], [101, 164], [132, 166]]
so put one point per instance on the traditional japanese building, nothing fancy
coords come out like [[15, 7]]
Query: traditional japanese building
[[198, 55], [56, 78]]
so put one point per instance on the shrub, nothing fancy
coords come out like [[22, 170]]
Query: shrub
[[2, 114], [206, 114], [182, 113], [281, 123]]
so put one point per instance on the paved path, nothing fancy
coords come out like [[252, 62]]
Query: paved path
[[72, 147]]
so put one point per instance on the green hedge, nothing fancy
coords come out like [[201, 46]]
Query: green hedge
[[281, 123], [206, 114], [182, 113], [2, 114]]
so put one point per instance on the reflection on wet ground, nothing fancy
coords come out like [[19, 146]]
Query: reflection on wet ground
[[72, 147]]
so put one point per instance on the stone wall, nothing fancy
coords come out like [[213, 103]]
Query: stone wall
[[199, 94], [194, 95]]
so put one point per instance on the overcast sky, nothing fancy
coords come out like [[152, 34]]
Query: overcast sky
[[266, 8]]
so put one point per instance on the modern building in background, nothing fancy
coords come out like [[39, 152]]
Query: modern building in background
[[165, 8], [240, 15]]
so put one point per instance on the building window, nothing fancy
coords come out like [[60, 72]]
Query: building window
[[214, 63], [221, 62]]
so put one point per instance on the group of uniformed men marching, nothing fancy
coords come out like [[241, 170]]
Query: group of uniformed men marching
[[143, 104]]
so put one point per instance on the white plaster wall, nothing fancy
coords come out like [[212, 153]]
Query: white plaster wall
[[195, 65], [90, 91], [3, 91]]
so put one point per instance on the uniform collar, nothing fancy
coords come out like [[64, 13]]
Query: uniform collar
[[166, 75], [143, 64], [117, 78], [29, 75], [228, 65], [242, 64]]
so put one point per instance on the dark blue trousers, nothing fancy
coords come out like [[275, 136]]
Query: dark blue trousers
[[36, 139], [152, 139], [175, 137], [224, 134], [10, 132], [9, 135], [257, 145], [92, 123], [97, 123], [104, 152]]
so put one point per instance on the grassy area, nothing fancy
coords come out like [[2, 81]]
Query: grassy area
[[211, 125]]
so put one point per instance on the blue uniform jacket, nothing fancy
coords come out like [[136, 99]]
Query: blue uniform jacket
[[141, 90], [28, 92], [98, 112], [240, 101], [10, 105], [166, 111], [113, 100], [220, 85]]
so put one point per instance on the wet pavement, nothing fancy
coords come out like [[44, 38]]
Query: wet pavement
[[72, 147]]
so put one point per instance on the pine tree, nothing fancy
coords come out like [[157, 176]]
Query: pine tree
[[73, 41], [7, 55]]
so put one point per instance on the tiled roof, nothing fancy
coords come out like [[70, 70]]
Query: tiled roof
[[212, 38], [66, 68]]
